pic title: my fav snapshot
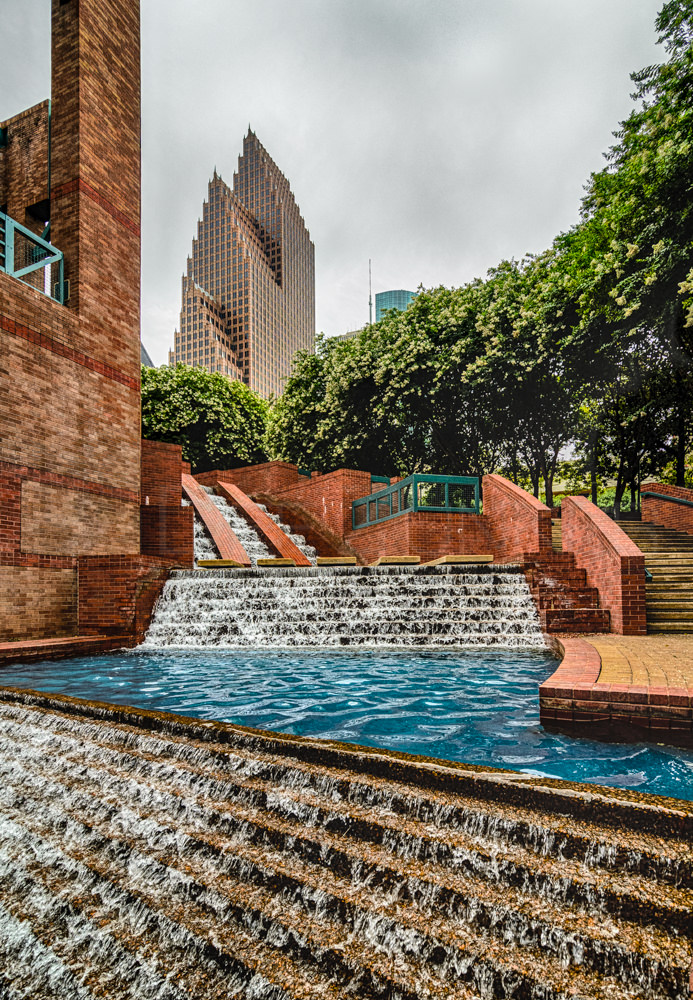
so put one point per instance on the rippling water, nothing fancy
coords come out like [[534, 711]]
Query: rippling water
[[476, 705]]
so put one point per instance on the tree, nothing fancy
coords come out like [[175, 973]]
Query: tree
[[218, 423]]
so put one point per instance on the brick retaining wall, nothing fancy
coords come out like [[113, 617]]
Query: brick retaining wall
[[671, 515], [612, 562], [518, 522]]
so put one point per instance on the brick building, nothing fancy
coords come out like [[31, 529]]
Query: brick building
[[70, 452], [248, 301]]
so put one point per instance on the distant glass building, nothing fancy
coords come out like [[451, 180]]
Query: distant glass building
[[397, 299], [249, 292]]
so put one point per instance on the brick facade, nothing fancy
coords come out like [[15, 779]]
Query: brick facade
[[117, 594], [612, 563], [166, 528], [665, 512], [70, 403], [268, 477], [518, 522], [426, 534], [24, 168], [161, 464]]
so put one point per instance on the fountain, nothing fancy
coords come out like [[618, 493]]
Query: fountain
[[148, 855]]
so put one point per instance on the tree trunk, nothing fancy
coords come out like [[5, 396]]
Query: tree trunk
[[593, 466], [680, 447]]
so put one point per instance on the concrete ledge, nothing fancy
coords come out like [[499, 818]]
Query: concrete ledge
[[217, 563], [459, 560], [397, 561], [276, 562], [336, 561]]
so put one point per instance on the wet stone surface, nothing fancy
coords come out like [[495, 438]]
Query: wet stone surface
[[145, 855]]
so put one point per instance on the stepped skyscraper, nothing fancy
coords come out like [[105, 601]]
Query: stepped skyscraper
[[249, 291]]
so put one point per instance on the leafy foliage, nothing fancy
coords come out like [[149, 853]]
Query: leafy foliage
[[219, 423]]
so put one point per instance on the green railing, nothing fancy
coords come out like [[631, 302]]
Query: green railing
[[31, 259], [450, 494]]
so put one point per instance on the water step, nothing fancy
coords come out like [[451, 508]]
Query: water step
[[147, 855]]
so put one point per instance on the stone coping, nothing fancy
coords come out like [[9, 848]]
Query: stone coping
[[614, 807], [63, 647], [623, 681]]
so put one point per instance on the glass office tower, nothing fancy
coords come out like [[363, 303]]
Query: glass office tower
[[397, 299], [248, 300]]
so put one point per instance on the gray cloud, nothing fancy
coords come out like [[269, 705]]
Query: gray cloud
[[435, 136]]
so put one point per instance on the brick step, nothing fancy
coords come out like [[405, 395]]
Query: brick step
[[584, 620], [577, 579], [548, 598]]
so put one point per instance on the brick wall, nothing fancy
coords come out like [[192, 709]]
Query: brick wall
[[612, 563], [302, 522], [665, 512], [69, 398], [268, 477], [37, 602], [329, 497], [168, 532], [517, 521], [427, 534], [166, 528], [161, 465], [117, 593], [24, 166]]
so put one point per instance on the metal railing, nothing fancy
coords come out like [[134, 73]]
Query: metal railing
[[449, 494], [666, 496], [31, 259]]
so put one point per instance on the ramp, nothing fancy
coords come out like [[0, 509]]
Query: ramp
[[223, 536], [270, 533]]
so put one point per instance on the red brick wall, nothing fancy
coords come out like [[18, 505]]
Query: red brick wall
[[428, 534], [117, 593], [40, 602], [24, 165], [671, 515], [168, 532], [518, 522], [70, 401], [269, 477], [612, 562], [329, 497], [302, 522], [161, 464]]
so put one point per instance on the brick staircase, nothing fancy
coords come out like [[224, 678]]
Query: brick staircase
[[564, 601], [669, 558]]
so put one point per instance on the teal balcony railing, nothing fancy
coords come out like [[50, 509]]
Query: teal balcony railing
[[31, 259], [458, 494]]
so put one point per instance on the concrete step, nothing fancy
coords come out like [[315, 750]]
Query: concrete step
[[682, 628]]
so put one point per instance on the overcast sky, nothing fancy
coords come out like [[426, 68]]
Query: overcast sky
[[434, 136]]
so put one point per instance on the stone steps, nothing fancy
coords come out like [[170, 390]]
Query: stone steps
[[146, 855], [669, 559]]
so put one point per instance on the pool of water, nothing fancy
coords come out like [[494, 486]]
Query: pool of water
[[477, 705]]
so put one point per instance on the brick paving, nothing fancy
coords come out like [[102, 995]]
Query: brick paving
[[652, 661], [639, 683]]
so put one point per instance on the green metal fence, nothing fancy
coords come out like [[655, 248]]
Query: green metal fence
[[458, 494], [31, 259]]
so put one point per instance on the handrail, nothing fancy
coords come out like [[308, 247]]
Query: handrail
[[420, 492], [666, 496], [36, 254]]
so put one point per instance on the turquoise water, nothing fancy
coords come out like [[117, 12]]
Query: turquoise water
[[480, 705]]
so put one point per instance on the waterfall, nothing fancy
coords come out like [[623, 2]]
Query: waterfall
[[146, 856], [246, 533], [411, 606]]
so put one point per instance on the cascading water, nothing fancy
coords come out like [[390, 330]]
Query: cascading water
[[339, 606], [146, 856], [246, 534]]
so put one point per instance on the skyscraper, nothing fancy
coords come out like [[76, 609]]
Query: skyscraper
[[249, 291], [398, 298]]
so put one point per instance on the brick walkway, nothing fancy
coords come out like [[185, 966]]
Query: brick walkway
[[652, 661], [641, 683]]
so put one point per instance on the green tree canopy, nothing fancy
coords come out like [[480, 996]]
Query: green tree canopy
[[219, 423]]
